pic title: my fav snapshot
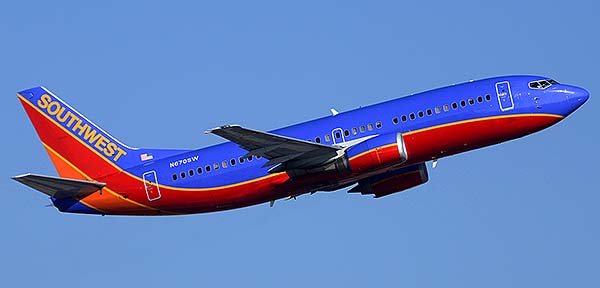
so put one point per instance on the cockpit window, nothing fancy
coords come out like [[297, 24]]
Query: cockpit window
[[542, 84]]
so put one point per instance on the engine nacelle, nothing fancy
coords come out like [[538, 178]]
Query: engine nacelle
[[393, 181], [378, 152]]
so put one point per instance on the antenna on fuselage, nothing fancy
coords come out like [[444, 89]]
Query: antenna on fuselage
[[334, 112]]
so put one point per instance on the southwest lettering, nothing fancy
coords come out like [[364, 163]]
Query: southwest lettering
[[63, 115], [81, 128], [60, 114], [73, 118], [53, 111]]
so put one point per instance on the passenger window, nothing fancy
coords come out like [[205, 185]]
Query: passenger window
[[337, 134], [488, 97], [191, 172], [463, 103], [199, 170], [257, 156], [454, 105], [429, 112], [412, 116], [174, 177], [346, 132], [232, 162], [207, 168], [446, 108], [404, 118], [370, 126], [378, 124], [182, 175], [216, 166], [420, 114], [327, 137], [241, 160], [318, 139], [249, 158], [471, 101], [362, 128], [479, 99], [224, 164], [354, 131], [438, 110], [395, 120]]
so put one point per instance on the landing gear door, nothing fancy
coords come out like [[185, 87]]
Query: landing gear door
[[151, 185], [505, 98]]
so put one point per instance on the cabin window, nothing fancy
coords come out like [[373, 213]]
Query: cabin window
[[182, 175], [479, 99], [216, 166], [232, 162], [395, 120], [191, 172], [207, 168], [429, 112], [454, 105], [174, 177], [404, 118], [241, 160], [327, 137], [224, 164], [370, 126], [362, 128], [199, 170], [338, 134], [488, 97], [438, 110], [249, 158], [354, 131], [378, 124], [463, 103], [446, 108], [420, 114], [471, 101], [318, 139], [412, 116], [346, 132], [257, 156]]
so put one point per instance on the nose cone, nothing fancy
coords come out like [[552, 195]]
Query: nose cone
[[579, 96], [576, 96]]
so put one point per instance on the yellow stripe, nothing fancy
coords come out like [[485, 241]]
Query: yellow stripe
[[105, 188], [458, 123]]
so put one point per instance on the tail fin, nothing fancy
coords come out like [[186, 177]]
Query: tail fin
[[79, 149]]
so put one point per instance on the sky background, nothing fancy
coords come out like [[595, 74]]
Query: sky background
[[181, 68]]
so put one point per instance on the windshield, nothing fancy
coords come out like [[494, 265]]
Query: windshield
[[542, 84]]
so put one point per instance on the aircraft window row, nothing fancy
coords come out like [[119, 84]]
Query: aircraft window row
[[439, 109], [214, 166], [338, 133], [542, 84]]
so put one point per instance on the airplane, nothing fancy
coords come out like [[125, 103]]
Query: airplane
[[380, 149]]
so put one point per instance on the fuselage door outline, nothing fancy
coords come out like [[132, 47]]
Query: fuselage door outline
[[151, 185], [337, 135], [505, 98]]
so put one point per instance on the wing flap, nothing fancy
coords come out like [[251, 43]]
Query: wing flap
[[58, 187]]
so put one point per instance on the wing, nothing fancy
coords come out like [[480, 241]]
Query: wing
[[285, 152], [58, 187]]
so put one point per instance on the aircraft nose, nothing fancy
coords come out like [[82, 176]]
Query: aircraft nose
[[579, 96]]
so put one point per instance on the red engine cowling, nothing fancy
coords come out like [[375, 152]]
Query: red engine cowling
[[377, 153], [393, 181]]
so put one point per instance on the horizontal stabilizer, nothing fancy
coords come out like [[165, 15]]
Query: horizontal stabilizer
[[58, 187]]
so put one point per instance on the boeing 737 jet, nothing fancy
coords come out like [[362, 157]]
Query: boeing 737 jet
[[379, 149]]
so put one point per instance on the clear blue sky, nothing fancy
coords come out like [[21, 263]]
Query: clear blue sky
[[158, 75]]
